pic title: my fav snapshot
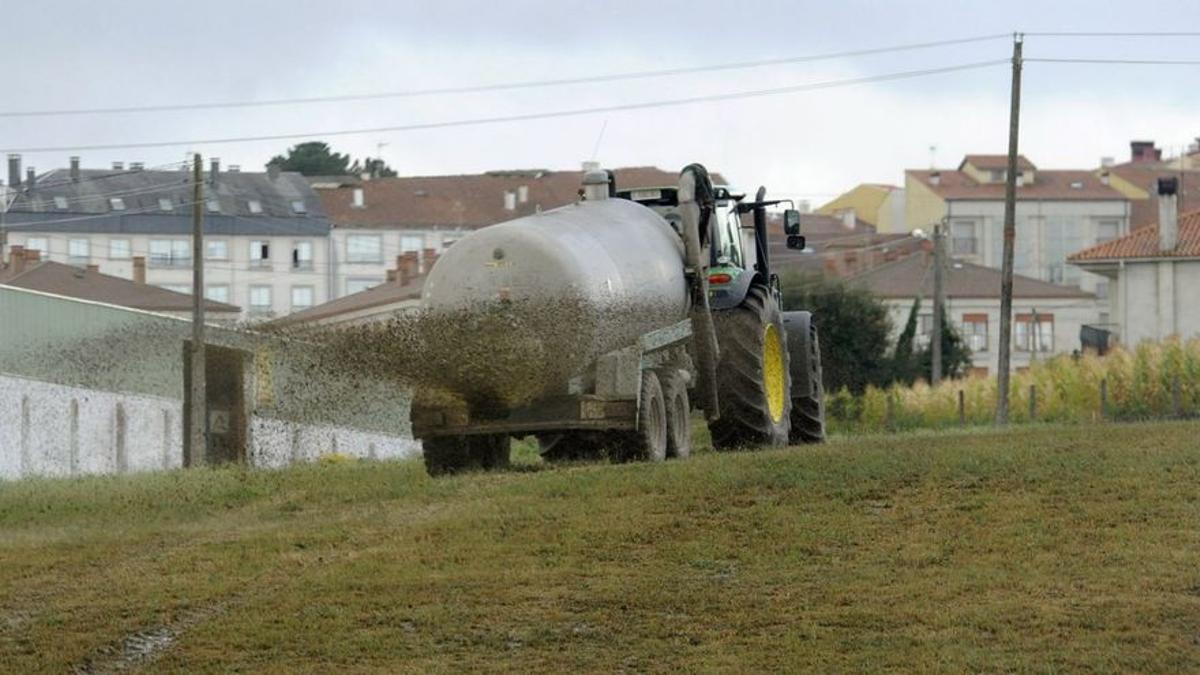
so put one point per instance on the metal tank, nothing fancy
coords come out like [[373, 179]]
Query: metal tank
[[606, 252]]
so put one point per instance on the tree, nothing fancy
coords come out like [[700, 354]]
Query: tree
[[956, 356], [905, 364], [374, 166], [854, 329], [314, 158]]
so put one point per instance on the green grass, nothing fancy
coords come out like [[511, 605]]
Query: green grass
[[1044, 549]]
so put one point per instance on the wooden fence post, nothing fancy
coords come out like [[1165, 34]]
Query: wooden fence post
[[1104, 398], [1032, 403], [962, 408]]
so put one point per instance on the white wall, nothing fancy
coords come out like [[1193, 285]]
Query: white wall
[[57, 430], [392, 242], [1157, 299]]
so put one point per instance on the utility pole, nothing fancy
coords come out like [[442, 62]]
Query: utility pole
[[1010, 228], [198, 417], [939, 300]]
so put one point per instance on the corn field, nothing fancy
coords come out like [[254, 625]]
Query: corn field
[[1152, 380]]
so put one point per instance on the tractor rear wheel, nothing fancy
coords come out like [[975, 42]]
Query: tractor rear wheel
[[752, 374], [679, 414], [456, 454], [808, 408]]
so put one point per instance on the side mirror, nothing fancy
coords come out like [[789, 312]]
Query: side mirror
[[797, 242], [791, 223]]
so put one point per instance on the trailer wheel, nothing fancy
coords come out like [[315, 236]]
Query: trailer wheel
[[649, 442], [679, 415], [808, 409], [752, 374], [456, 454]]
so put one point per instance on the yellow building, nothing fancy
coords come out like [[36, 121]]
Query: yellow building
[[872, 203]]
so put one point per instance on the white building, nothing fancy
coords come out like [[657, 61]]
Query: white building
[[1153, 271], [1047, 318], [266, 236], [1058, 213]]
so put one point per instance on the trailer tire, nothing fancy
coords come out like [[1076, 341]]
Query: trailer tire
[[679, 414], [649, 442], [753, 380], [456, 454]]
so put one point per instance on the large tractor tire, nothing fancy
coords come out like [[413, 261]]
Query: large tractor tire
[[753, 380], [456, 454], [808, 390], [679, 414]]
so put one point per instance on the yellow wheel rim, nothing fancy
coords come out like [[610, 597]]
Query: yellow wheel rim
[[773, 375]]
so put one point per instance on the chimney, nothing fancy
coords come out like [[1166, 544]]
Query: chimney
[[16, 258], [428, 257], [391, 278], [849, 219], [360, 200], [32, 255], [14, 171], [93, 268], [510, 200], [139, 269], [75, 169], [935, 177], [406, 267], [1144, 151], [523, 194], [118, 166], [1106, 162], [30, 178], [235, 168], [214, 168], [1168, 214], [272, 171], [137, 166], [1104, 178]]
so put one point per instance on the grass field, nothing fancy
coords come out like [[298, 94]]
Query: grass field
[[1046, 549]]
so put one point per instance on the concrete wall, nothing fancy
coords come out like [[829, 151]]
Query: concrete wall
[[1155, 300], [55, 430]]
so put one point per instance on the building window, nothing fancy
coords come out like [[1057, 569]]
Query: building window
[[60, 203], [166, 204], [38, 244], [170, 253], [975, 331], [260, 299], [260, 253], [302, 297], [298, 207], [302, 255], [410, 242], [356, 285], [1107, 230], [78, 251], [1034, 338], [964, 240], [213, 205], [255, 206], [216, 249], [119, 249], [364, 248], [217, 292], [117, 203]]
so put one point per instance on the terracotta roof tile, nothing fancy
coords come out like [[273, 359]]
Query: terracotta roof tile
[[1143, 243], [76, 282], [1048, 185], [913, 275], [469, 201], [1145, 175]]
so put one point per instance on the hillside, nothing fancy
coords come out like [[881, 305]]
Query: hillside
[[1044, 549]]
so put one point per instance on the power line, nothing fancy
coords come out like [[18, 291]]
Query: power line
[[1112, 34], [423, 126], [503, 86], [1134, 62]]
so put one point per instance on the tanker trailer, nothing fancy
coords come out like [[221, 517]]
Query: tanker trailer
[[589, 326]]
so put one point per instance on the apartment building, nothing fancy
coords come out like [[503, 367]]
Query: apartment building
[[266, 235]]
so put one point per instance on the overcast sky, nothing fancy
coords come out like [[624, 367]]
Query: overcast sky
[[815, 144]]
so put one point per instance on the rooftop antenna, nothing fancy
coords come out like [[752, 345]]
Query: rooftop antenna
[[599, 139]]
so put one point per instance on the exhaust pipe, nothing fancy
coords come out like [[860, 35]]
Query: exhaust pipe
[[696, 204]]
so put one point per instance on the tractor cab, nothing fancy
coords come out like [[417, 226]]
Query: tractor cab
[[737, 243]]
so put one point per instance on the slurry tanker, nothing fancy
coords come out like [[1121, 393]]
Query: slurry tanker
[[598, 327]]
